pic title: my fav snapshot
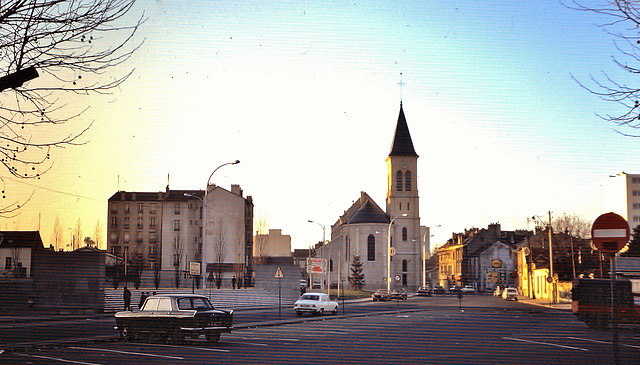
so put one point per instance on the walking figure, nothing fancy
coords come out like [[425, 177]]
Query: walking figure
[[233, 282], [126, 295], [143, 297]]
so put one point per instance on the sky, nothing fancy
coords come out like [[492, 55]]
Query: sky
[[307, 94]]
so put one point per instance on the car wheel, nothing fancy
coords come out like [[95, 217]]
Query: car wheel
[[321, 311], [335, 310], [299, 314], [126, 334], [213, 337]]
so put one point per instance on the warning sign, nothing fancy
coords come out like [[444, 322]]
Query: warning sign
[[279, 274]]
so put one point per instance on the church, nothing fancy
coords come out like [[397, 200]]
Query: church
[[390, 243]]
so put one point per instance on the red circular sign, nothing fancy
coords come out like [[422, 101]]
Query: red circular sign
[[610, 233]]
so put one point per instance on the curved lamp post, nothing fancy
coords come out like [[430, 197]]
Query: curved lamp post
[[389, 251], [204, 226]]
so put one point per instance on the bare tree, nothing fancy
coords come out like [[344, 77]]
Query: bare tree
[[72, 44], [261, 240], [77, 235], [572, 225], [97, 234], [56, 235], [624, 24]]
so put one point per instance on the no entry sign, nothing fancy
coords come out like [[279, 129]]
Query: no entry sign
[[610, 232]]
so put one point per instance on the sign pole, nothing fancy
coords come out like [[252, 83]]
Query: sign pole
[[279, 276], [614, 320]]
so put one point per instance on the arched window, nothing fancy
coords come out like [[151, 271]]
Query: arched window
[[407, 181], [404, 234], [371, 248], [404, 265], [399, 180]]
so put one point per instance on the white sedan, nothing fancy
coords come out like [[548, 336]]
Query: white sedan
[[315, 303]]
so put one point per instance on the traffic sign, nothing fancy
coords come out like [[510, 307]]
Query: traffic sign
[[397, 277], [610, 232], [279, 274]]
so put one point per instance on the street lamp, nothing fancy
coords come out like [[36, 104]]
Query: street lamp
[[389, 251], [323, 266], [551, 278], [204, 226]]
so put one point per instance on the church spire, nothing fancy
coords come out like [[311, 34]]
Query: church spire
[[402, 143]]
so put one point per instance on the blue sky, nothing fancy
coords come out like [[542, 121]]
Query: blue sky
[[306, 95]]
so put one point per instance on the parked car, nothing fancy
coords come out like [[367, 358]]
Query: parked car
[[510, 294], [175, 317], [423, 291], [454, 289], [468, 289], [399, 294], [438, 289], [315, 303], [381, 295]]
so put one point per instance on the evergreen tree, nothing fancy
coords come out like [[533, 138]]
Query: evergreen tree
[[633, 246], [357, 277]]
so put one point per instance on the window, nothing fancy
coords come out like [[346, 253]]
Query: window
[[152, 209], [400, 206], [7, 263], [125, 237], [371, 248], [635, 180], [126, 222], [404, 234], [407, 181], [404, 265], [164, 304], [152, 222], [114, 209], [636, 193], [408, 206], [140, 222], [114, 222], [636, 218], [176, 208], [176, 225], [140, 210], [126, 209], [399, 180], [636, 205]]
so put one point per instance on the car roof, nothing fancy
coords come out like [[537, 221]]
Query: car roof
[[174, 295]]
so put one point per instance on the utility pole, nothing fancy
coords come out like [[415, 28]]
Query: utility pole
[[551, 278]]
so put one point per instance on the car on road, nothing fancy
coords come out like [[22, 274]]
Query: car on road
[[454, 289], [315, 303], [423, 291], [510, 294], [399, 294], [438, 289], [174, 317], [468, 289], [381, 295]]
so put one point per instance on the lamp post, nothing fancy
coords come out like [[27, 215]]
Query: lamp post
[[551, 279], [323, 268], [204, 226], [389, 251]]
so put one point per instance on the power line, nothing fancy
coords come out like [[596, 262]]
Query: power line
[[53, 190]]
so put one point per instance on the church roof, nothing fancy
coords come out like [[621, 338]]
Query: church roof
[[402, 143], [364, 210]]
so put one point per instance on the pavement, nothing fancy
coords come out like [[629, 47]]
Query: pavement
[[563, 304]]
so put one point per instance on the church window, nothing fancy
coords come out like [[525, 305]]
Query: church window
[[407, 181], [404, 234], [399, 180], [400, 206], [371, 248]]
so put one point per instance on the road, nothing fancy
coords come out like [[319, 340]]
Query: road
[[485, 330]]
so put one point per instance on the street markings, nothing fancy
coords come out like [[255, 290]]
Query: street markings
[[126, 352], [58, 359], [545, 343]]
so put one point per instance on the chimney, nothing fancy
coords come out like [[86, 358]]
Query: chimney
[[235, 188]]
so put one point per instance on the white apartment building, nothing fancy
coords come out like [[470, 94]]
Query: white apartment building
[[622, 196]]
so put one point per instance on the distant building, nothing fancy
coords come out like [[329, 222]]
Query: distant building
[[365, 229], [622, 196], [16, 252], [483, 258], [272, 244], [164, 230]]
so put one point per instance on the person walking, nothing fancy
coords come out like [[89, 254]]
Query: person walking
[[143, 297], [126, 295], [233, 282]]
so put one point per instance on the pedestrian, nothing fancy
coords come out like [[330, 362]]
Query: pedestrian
[[126, 295], [143, 297], [233, 282]]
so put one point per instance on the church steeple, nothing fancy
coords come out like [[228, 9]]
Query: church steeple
[[402, 143]]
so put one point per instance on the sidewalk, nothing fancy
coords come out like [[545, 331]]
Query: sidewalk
[[563, 304]]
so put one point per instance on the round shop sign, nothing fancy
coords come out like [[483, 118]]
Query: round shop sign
[[397, 277], [496, 263]]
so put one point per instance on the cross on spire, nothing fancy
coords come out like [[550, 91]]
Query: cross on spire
[[401, 83]]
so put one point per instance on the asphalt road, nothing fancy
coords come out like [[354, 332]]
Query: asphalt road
[[485, 330]]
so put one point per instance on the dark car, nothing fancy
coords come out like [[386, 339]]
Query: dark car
[[423, 291], [438, 289], [381, 295], [399, 294], [175, 317]]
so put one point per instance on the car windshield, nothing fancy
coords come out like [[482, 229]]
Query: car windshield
[[194, 303], [310, 297]]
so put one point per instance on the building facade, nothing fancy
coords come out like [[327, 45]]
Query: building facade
[[622, 196], [163, 231], [367, 231]]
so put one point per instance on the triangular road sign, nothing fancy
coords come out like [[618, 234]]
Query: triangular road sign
[[279, 274]]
